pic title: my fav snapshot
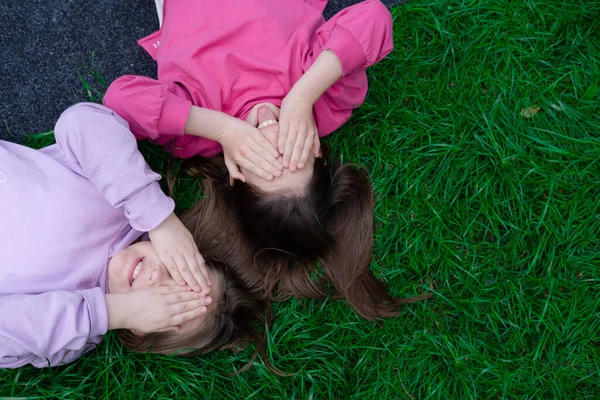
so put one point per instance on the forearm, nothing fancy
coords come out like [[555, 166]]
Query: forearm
[[206, 123], [152, 108], [325, 71], [51, 328]]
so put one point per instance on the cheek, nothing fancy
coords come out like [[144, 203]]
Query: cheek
[[116, 262], [115, 271]]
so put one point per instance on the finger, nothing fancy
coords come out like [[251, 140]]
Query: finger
[[316, 147], [276, 110], [185, 306], [308, 144], [297, 152], [264, 143], [266, 156], [184, 297], [289, 147], [174, 271], [192, 262], [234, 172], [170, 289], [186, 273], [258, 167], [283, 134], [180, 318], [202, 264]]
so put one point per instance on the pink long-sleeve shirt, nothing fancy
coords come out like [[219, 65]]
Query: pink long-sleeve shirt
[[64, 211], [230, 55]]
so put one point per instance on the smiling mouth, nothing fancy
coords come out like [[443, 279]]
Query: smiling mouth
[[136, 271], [266, 123]]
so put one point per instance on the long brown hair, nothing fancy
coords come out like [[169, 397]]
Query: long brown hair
[[231, 325], [274, 242]]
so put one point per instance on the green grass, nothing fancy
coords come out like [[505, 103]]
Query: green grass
[[497, 213]]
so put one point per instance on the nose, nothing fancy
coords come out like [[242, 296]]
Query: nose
[[265, 114], [159, 276]]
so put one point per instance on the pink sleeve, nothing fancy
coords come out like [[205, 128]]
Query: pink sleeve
[[51, 328], [152, 108], [360, 35], [97, 144]]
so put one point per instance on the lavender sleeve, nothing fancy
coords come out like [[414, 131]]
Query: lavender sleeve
[[97, 144], [72, 322]]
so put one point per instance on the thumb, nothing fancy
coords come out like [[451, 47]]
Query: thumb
[[234, 171], [316, 146]]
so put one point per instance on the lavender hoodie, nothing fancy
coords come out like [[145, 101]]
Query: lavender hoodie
[[64, 211]]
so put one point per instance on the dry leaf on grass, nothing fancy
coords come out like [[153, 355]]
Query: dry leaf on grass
[[529, 112]]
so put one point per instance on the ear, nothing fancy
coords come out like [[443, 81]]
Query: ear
[[175, 329]]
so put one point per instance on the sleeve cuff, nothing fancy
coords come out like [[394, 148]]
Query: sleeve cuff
[[174, 115], [96, 303], [149, 208], [347, 49]]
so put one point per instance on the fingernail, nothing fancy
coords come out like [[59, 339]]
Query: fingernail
[[202, 310], [209, 282], [207, 300], [197, 289], [201, 294], [300, 166]]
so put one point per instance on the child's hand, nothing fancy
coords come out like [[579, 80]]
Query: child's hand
[[154, 309], [297, 132], [244, 146], [177, 250]]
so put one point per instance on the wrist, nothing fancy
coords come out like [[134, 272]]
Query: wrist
[[116, 311], [165, 222], [299, 99], [206, 123], [325, 71]]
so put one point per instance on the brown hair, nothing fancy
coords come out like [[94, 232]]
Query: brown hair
[[273, 242], [231, 325]]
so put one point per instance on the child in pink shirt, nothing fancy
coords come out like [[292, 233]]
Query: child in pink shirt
[[223, 67], [229, 56]]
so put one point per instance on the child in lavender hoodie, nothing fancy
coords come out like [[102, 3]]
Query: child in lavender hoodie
[[71, 265]]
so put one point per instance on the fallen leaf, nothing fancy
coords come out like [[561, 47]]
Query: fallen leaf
[[590, 92], [529, 112]]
